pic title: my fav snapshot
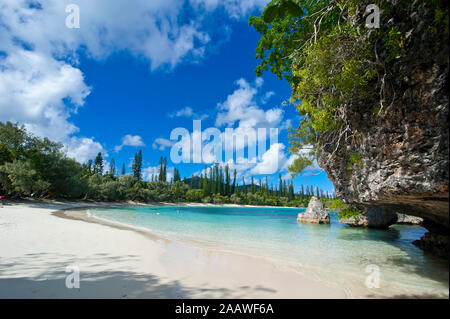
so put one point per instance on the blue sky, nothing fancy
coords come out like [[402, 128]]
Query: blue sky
[[118, 88]]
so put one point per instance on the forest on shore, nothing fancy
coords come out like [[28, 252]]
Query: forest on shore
[[36, 167]]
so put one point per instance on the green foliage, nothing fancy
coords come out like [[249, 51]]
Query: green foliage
[[280, 9], [299, 165], [194, 195], [285, 33], [337, 205], [329, 74], [441, 21], [349, 212], [22, 179], [344, 210], [355, 157], [395, 43]]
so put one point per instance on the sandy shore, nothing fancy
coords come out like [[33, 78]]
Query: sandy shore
[[38, 241]]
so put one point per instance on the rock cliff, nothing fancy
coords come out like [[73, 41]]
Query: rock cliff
[[403, 149]]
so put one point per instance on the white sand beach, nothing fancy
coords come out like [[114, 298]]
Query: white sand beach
[[37, 244]]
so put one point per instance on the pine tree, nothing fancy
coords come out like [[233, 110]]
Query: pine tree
[[227, 181], [137, 166], [112, 167], [205, 183], [98, 164], [291, 191], [176, 175], [233, 190], [123, 170], [252, 186], [160, 177], [266, 187], [280, 191], [162, 169], [165, 169], [89, 166]]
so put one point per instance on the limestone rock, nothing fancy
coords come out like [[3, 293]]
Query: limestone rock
[[435, 243], [315, 213], [409, 220], [375, 217]]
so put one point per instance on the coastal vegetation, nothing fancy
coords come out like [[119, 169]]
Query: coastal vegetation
[[34, 167]]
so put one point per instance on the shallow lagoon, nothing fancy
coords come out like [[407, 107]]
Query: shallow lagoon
[[335, 253]]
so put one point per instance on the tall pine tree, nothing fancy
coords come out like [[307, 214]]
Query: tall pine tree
[[98, 164]]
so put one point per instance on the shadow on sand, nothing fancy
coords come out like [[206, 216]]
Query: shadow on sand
[[43, 276]]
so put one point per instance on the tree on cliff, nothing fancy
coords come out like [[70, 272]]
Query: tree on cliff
[[334, 63]]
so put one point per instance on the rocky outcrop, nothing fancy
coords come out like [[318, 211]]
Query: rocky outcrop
[[375, 217], [315, 213], [403, 161], [435, 243], [409, 220]]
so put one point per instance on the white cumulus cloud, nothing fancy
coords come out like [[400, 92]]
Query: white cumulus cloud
[[130, 140], [162, 143]]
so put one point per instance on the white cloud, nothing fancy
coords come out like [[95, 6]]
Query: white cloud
[[267, 96], [84, 149], [189, 113], [271, 160], [41, 84], [186, 112], [148, 29], [242, 112], [162, 143], [41, 93], [32, 89], [236, 9], [130, 140], [242, 109]]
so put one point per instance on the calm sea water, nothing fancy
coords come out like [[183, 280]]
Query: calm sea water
[[335, 253]]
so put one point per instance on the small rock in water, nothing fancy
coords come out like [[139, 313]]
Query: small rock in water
[[315, 213]]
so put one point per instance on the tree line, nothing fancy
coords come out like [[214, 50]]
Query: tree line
[[37, 167]]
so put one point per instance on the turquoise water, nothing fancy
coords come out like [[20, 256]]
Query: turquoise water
[[335, 253]]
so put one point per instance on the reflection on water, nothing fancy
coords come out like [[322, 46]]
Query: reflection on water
[[335, 252]]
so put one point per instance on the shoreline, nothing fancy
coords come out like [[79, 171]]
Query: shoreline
[[99, 204], [211, 273]]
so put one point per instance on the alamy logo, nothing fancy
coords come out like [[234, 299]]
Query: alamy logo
[[73, 19], [73, 279], [373, 279], [373, 16]]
